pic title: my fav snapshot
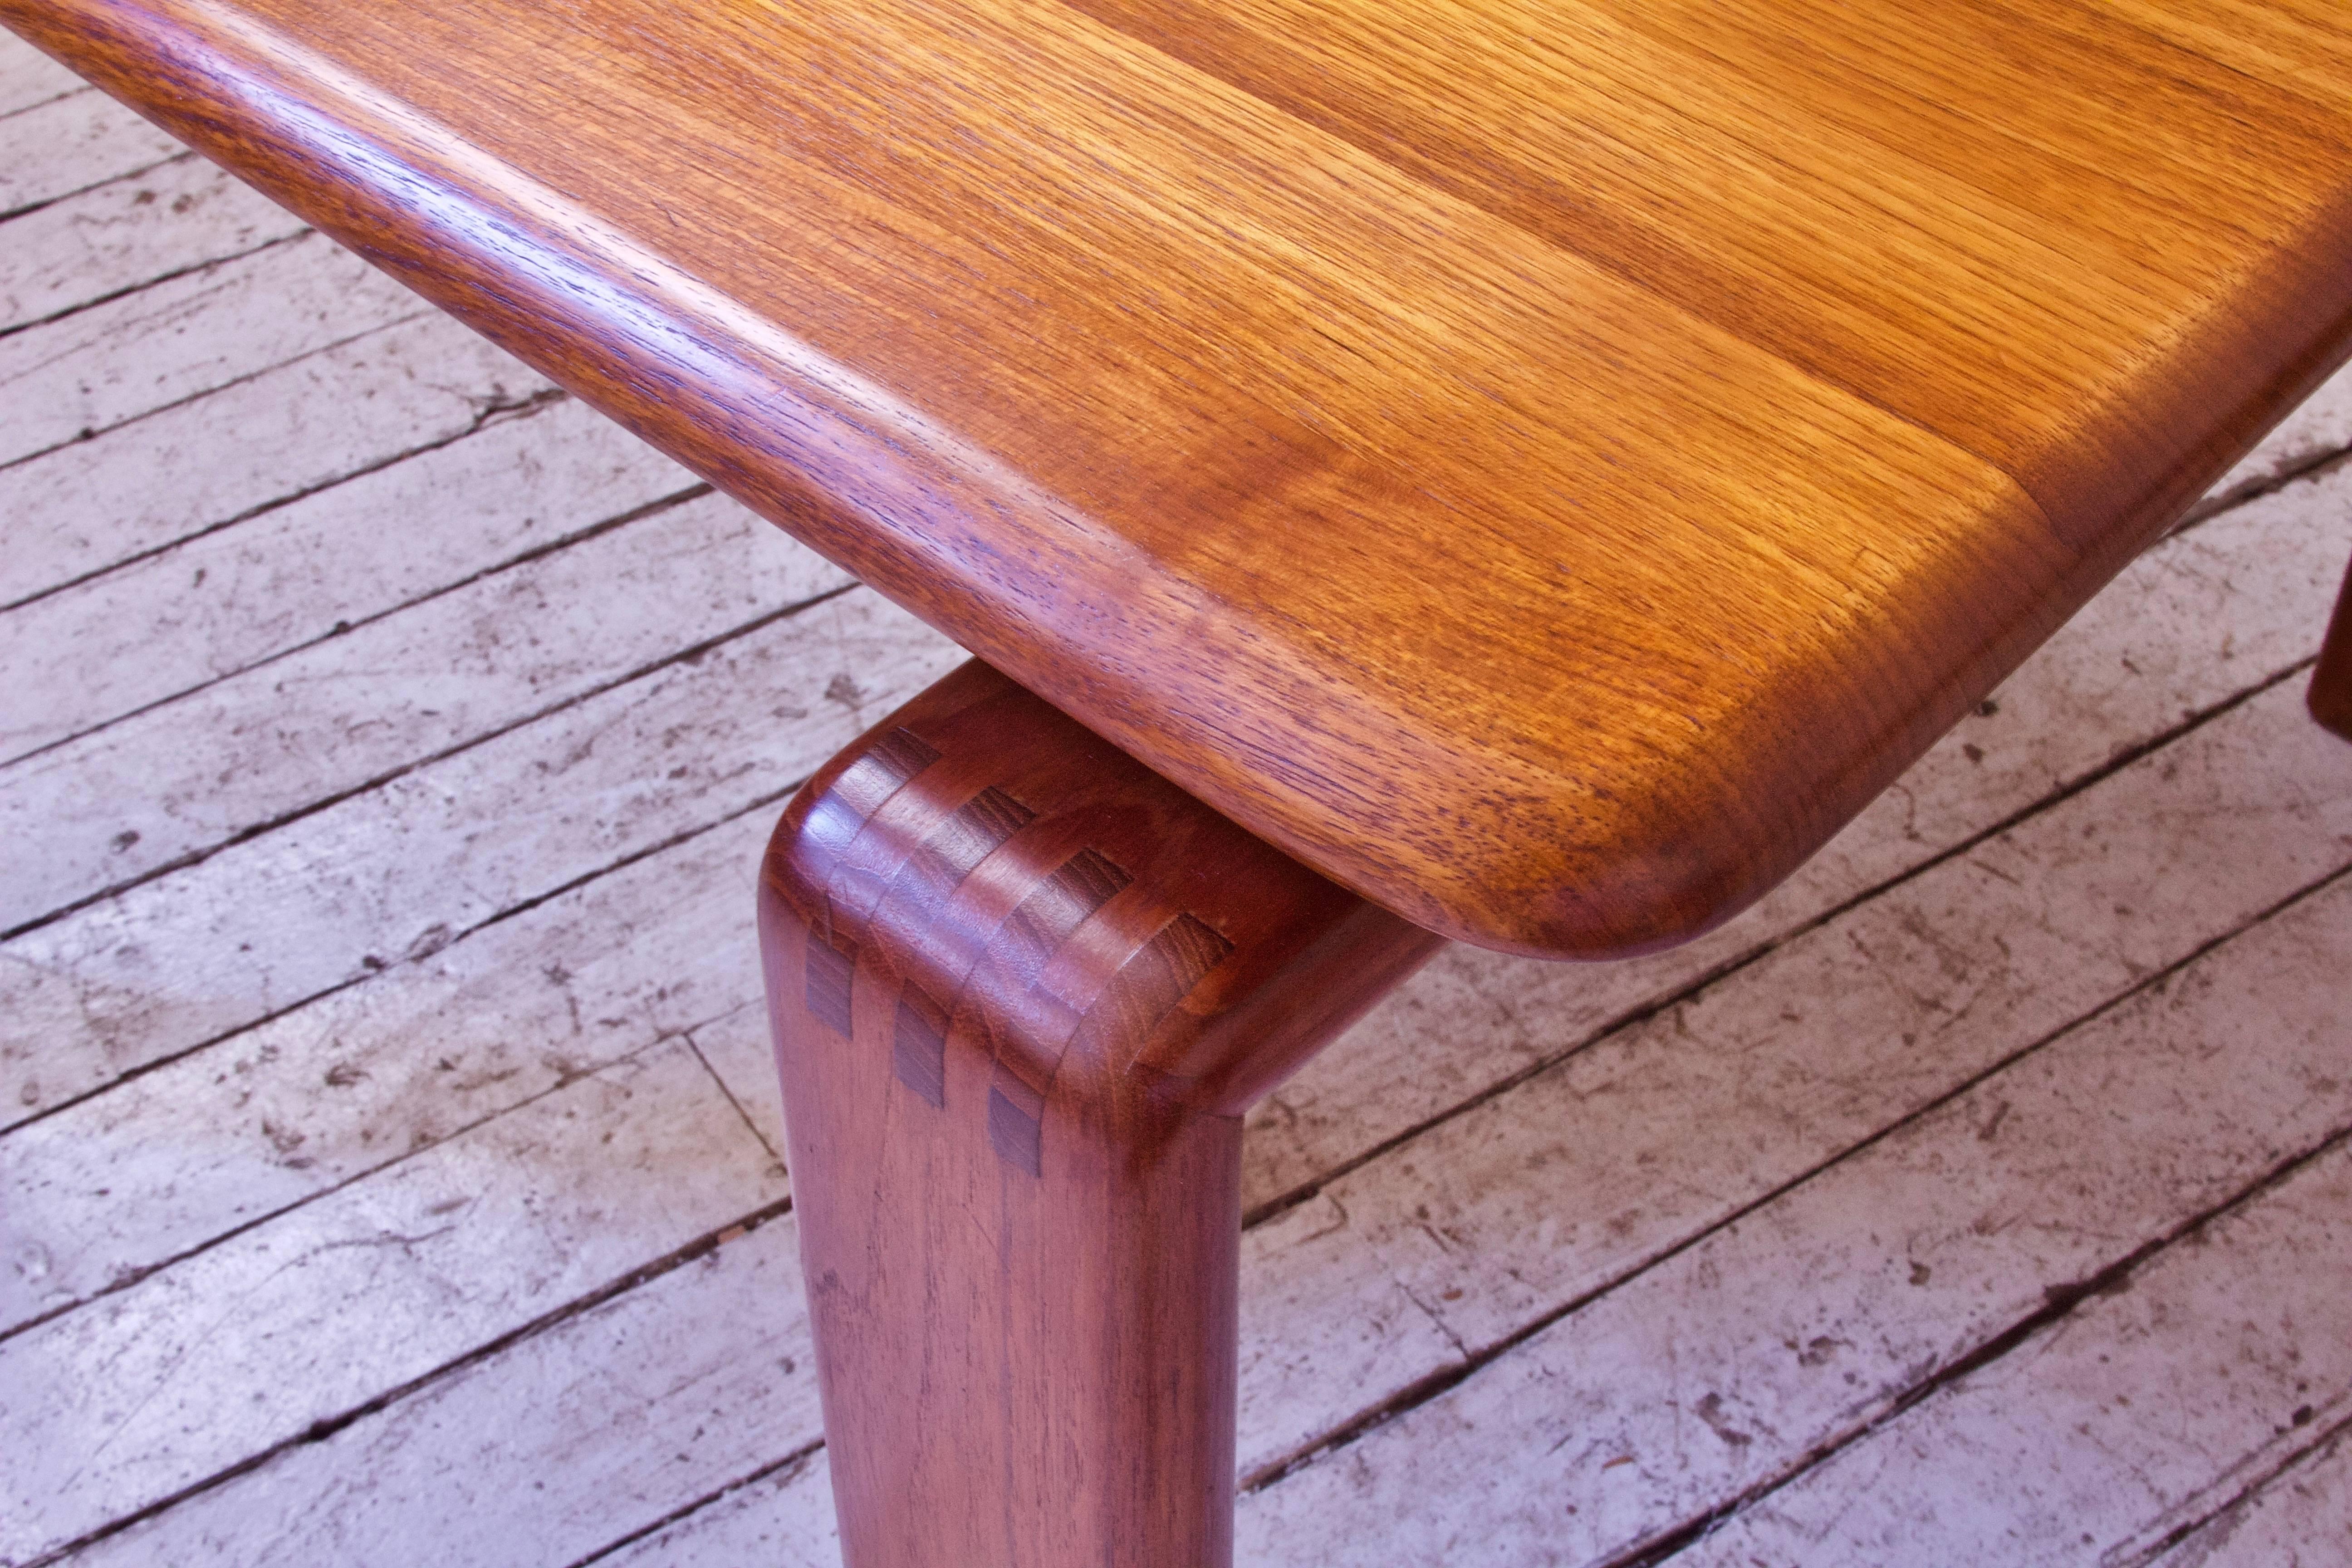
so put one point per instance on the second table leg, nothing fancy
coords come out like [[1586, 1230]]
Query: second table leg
[[2331, 682]]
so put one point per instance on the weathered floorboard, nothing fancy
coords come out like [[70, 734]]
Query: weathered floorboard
[[29, 77], [70, 143], [606, 1423], [187, 777], [108, 364], [106, 1190], [2091, 1440], [116, 237], [1639, 1411], [257, 444], [383, 1281], [403, 868], [228, 600], [2299, 1518]]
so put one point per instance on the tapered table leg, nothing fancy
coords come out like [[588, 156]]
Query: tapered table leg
[[2331, 682], [1023, 990]]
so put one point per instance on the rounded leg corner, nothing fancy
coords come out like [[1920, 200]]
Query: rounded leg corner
[[1022, 990]]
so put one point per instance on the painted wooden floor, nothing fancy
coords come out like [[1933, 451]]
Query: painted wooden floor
[[390, 1176]]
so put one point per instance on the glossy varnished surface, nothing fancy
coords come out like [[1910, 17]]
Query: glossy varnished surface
[[1545, 466], [1022, 990], [990, 867]]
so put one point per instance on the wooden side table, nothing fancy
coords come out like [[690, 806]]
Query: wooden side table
[[1518, 473]]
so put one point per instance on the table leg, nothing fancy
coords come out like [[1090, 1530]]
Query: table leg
[[1023, 990], [2331, 682]]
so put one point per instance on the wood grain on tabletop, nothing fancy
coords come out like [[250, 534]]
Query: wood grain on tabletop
[[1023, 990], [1775, 384]]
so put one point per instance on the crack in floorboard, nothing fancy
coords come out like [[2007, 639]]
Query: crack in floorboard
[[765, 803], [344, 627], [326, 1427], [94, 432], [1428, 1387], [493, 411], [2059, 1302], [246, 835], [67, 313]]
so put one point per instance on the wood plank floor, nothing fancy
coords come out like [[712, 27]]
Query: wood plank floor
[[389, 1155]]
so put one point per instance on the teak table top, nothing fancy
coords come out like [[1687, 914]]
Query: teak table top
[[1546, 465]]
